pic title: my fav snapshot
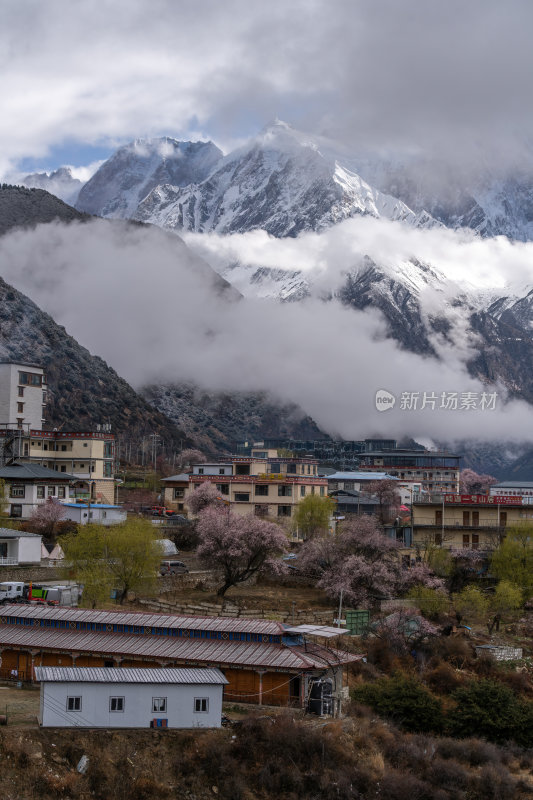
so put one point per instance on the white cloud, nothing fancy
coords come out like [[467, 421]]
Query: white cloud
[[138, 298], [385, 75]]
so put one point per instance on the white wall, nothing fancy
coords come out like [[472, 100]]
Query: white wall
[[32, 398], [137, 712], [30, 550]]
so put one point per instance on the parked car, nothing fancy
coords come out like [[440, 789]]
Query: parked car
[[172, 568]]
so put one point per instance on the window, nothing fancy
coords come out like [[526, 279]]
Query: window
[[159, 704], [302, 491], [261, 491], [45, 446], [261, 511], [15, 511], [200, 470], [85, 444], [179, 493], [61, 489], [82, 466], [40, 493], [284, 511], [242, 469], [223, 488], [108, 469], [20, 408], [73, 703], [63, 447], [17, 490], [221, 471], [275, 468], [242, 497], [116, 704], [21, 391], [284, 491], [50, 491], [201, 705], [291, 469], [63, 469], [30, 379], [322, 491]]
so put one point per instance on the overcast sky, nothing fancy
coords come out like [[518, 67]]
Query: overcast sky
[[407, 76]]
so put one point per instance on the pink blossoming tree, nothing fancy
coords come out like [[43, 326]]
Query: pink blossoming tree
[[46, 517], [205, 496], [471, 482], [361, 563], [238, 546]]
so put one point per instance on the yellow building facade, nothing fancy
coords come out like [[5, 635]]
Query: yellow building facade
[[474, 522], [90, 456], [264, 484]]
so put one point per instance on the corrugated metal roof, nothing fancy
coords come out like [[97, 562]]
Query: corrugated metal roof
[[136, 675], [233, 624], [318, 630], [209, 651]]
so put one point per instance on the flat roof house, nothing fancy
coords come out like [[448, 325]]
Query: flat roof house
[[92, 697]]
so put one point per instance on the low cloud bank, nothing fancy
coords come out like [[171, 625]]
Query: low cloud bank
[[143, 301]]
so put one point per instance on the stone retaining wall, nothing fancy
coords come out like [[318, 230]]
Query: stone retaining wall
[[298, 617], [29, 573]]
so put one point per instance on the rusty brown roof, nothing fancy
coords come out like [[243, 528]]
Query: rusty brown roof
[[191, 651]]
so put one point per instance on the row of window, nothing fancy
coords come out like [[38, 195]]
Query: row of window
[[186, 633], [159, 704], [19, 490], [261, 490], [273, 469]]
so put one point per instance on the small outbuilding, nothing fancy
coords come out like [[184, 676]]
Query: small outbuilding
[[19, 547], [102, 697]]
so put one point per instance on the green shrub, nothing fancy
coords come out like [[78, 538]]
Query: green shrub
[[490, 709], [405, 700]]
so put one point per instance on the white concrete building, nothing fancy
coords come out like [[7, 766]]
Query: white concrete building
[[97, 513], [22, 395], [102, 697], [27, 486], [19, 547]]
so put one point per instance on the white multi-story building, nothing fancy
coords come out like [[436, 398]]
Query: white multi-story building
[[22, 395]]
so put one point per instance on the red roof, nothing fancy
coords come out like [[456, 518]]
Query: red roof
[[190, 651]]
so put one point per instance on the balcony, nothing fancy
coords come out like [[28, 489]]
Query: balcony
[[8, 562]]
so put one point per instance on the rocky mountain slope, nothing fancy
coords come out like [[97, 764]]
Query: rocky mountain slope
[[125, 179], [60, 183], [22, 207], [83, 390], [222, 418], [280, 182]]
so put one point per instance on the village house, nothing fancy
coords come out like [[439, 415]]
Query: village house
[[475, 522], [27, 486], [99, 697], [95, 513], [263, 484], [19, 548], [88, 455], [435, 471], [264, 661]]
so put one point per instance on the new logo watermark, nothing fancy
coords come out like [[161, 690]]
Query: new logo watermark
[[384, 400], [443, 401]]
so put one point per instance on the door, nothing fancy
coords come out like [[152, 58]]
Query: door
[[475, 517], [438, 516], [466, 518]]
